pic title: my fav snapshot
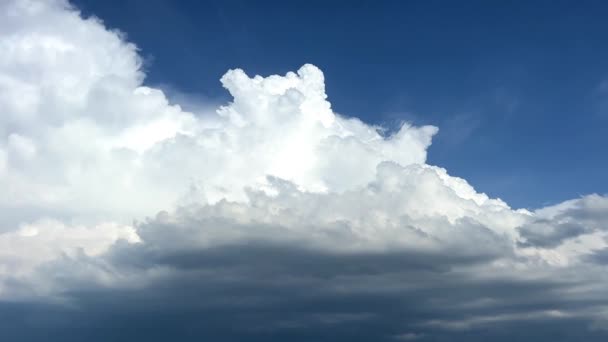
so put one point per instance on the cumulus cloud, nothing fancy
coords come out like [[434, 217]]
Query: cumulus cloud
[[272, 218]]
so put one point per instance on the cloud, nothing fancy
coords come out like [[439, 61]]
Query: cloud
[[124, 216]]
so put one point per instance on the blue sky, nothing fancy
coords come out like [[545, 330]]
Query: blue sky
[[517, 89]]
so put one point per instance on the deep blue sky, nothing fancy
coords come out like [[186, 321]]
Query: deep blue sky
[[516, 87]]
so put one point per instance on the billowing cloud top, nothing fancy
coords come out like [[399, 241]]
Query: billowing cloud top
[[273, 212]]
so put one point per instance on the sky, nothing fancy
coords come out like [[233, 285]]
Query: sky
[[518, 90], [222, 171]]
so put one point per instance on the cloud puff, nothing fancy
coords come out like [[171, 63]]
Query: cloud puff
[[272, 218]]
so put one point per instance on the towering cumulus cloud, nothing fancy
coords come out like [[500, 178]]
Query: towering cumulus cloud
[[124, 217]]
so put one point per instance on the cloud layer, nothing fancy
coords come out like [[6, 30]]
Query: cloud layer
[[123, 217]]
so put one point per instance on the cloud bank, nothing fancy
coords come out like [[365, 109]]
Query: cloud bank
[[123, 216]]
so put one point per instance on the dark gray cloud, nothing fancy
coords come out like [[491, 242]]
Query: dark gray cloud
[[566, 221], [260, 290], [547, 234], [229, 272]]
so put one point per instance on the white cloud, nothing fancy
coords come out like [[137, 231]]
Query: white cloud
[[79, 126]]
